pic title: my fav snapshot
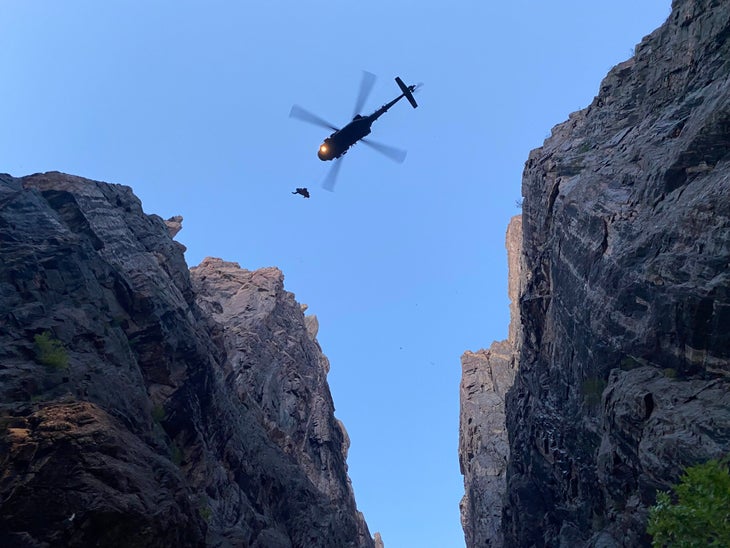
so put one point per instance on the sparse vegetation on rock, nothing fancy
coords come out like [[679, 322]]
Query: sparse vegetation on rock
[[50, 351], [699, 512]]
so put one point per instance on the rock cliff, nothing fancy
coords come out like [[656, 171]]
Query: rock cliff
[[486, 377], [142, 405], [624, 357]]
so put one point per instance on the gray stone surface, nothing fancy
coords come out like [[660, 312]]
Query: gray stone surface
[[624, 364], [276, 365], [174, 225], [487, 375], [146, 436]]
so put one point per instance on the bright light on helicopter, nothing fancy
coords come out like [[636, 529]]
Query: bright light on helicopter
[[323, 148]]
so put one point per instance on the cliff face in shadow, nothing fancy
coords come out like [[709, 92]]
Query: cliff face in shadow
[[625, 359], [143, 406], [621, 359]]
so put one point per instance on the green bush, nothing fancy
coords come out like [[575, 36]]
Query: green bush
[[701, 514], [158, 413], [593, 391], [584, 147], [205, 512], [50, 351], [176, 454], [629, 362]]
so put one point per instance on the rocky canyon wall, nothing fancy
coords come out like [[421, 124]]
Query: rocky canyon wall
[[486, 377], [142, 405], [624, 357]]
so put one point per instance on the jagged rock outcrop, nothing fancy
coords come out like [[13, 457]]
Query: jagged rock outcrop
[[625, 359], [174, 225], [135, 412], [483, 445], [257, 322], [486, 377]]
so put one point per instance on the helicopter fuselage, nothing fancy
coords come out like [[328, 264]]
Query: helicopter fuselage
[[341, 140]]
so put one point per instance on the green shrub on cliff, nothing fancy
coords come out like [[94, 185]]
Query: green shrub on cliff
[[50, 351], [592, 390], [701, 514]]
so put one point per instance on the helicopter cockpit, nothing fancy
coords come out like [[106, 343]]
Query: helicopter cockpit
[[326, 150]]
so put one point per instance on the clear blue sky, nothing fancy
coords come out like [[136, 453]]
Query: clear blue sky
[[404, 265]]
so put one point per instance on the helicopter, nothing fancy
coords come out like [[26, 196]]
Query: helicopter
[[339, 142]]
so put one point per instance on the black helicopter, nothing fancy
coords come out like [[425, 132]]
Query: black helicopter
[[339, 142]]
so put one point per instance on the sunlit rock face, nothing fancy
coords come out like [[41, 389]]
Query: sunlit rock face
[[625, 354], [167, 411], [487, 375], [277, 368]]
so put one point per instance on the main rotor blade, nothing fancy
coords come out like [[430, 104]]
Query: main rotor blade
[[331, 178], [306, 116], [395, 154], [366, 86]]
